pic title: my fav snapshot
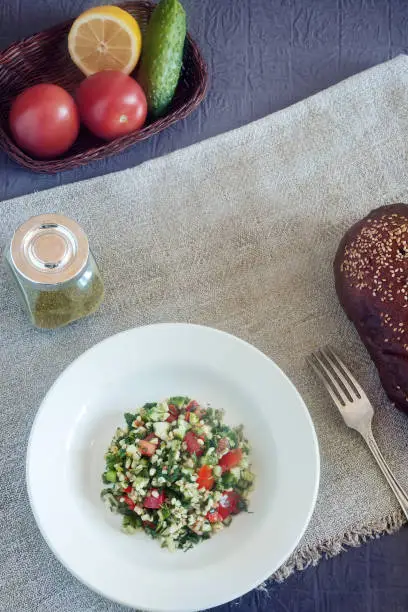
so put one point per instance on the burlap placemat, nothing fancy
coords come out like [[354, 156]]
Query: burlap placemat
[[238, 232]]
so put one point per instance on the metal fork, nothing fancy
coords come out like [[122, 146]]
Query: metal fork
[[355, 408]]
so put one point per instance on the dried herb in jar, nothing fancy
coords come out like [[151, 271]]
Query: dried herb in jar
[[54, 270], [59, 307]]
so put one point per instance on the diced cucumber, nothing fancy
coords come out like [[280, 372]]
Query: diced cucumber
[[247, 475], [217, 471], [175, 445], [107, 497], [209, 459], [161, 430], [181, 429], [194, 420], [157, 412], [236, 472], [140, 482], [110, 476]]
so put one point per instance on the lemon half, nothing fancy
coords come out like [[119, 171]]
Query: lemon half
[[105, 38]]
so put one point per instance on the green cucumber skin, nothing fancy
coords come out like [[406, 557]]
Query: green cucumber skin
[[162, 55]]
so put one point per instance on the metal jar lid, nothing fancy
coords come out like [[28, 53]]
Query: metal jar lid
[[49, 249]]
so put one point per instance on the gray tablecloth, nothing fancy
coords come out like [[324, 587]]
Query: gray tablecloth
[[238, 232]]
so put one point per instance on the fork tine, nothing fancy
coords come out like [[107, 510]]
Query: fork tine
[[340, 364], [336, 367], [327, 379]]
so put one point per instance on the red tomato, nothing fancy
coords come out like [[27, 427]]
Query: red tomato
[[189, 408], [173, 416], [152, 501], [149, 524], [193, 446], [213, 516], [205, 478], [223, 445], [131, 504], [111, 104], [229, 504], [192, 404], [128, 489], [151, 436], [147, 448], [44, 120], [230, 459]]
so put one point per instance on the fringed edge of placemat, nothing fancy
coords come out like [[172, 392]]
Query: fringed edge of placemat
[[311, 555]]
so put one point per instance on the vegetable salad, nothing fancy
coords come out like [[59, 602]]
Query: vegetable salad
[[177, 472]]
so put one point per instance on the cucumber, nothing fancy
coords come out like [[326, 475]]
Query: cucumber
[[109, 476], [162, 55]]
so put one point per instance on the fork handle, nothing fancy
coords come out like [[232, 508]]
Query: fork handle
[[397, 489]]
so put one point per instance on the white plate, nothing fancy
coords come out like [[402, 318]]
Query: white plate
[[73, 429]]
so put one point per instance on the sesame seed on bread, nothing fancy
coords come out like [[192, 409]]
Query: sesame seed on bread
[[371, 274]]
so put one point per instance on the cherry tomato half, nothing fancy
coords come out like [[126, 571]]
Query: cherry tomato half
[[111, 104], [154, 499], [205, 479], [146, 447], [229, 504], [149, 524], [173, 413], [131, 504], [230, 459], [192, 443], [213, 516], [44, 120], [151, 436]]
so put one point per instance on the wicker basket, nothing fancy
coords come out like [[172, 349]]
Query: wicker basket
[[44, 58]]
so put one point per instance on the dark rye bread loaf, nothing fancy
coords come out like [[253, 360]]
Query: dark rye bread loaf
[[371, 273]]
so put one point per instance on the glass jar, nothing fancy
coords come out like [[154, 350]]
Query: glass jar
[[54, 271]]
